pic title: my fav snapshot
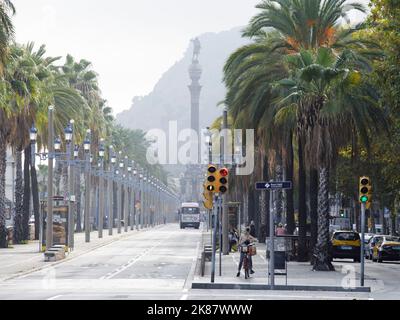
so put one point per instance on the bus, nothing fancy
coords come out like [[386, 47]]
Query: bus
[[189, 215]]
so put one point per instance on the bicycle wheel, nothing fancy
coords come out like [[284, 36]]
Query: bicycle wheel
[[246, 267]]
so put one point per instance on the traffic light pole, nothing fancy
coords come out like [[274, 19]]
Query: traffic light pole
[[220, 228], [215, 219], [271, 243], [362, 258], [224, 205]]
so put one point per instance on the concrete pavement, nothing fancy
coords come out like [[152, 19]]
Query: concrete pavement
[[159, 260], [383, 279], [20, 259], [160, 263]]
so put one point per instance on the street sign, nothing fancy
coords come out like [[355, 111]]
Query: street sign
[[273, 185]]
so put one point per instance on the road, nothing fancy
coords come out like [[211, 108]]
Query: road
[[158, 264]]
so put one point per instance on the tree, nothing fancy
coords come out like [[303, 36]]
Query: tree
[[7, 9], [329, 94]]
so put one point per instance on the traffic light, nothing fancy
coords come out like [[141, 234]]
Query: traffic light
[[222, 180], [208, 198], [365, 190], [211, 178]]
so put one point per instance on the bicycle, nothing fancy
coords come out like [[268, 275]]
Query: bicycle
[[248, 251]]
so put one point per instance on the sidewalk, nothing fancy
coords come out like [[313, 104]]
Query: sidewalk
[[300, 275], [21, 259]]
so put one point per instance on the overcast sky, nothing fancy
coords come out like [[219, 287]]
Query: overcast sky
[[130, 42]]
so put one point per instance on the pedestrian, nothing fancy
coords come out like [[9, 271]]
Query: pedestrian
[[245, 239], [253, 229], [280, 231], [233, 238]]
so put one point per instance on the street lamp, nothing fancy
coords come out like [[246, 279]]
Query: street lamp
[[68, 132], [33, 134], [57, 144], [76, 151], [86, 145]]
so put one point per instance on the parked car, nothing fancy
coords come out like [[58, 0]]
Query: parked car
[[346, 245], [387, 248], [371, 244]]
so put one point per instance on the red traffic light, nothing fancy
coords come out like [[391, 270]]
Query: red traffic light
[[224, 172]]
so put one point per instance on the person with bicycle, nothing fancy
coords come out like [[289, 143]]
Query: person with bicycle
[[245, 240]]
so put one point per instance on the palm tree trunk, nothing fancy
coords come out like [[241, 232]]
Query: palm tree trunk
[[35, 199], [322, 258], [279, 193], [3, 230], [313, 207], [289, 161], [27, 193], [302, 252], [19, 192]]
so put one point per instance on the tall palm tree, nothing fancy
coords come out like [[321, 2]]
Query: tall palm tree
[[34, 84], [306, 24], [328, 93], [7, 9]]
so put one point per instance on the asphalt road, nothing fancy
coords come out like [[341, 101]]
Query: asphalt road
[[160, 264]]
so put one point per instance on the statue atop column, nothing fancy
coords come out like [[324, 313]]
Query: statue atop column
[[196, 50]]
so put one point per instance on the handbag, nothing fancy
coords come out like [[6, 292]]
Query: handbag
[[253, 250]]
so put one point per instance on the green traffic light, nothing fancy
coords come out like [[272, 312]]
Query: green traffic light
[[363, 199]]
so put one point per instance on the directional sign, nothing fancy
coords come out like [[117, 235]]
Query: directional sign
[[273, 185]]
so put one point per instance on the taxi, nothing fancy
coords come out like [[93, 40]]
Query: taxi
[[387, 248], [346, 245]]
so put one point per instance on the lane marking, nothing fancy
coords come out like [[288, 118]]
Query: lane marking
[[132, 261], [55, 297]]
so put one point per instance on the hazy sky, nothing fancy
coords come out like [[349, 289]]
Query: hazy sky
[[130, 42]]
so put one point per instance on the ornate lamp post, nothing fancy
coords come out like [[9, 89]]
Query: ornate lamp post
[[113, 160], [101, 188], [86, 147]]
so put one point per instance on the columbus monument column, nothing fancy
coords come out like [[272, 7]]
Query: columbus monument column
[[195, 90], [191, 179]]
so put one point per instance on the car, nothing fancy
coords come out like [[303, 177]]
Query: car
[[386, 248], [346, 245]]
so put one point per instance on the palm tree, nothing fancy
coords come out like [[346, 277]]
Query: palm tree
[[34, 83], [306, 24], [290, 26], [328, 93], [7, 9]]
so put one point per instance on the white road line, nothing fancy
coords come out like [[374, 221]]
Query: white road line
[[128, 265], [55, 297]]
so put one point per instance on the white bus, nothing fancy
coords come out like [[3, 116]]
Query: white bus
[[189, 215]]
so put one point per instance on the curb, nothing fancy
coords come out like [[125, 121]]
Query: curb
[[72, 256], [245, 286]]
